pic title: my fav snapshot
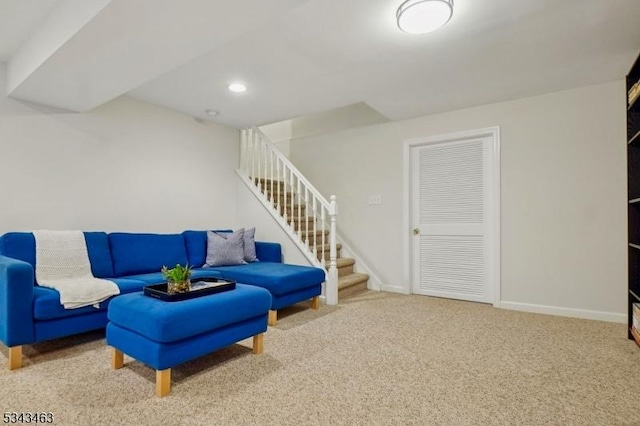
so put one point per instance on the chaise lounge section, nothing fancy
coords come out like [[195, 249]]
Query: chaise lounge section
[[288, 284], [30, 313]]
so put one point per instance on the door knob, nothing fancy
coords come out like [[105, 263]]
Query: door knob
[[416, 231]]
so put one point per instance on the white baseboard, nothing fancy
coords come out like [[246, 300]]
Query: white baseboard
[[564, 312], [394, 289]]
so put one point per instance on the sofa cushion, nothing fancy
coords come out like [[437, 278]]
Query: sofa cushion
[[46, 301], [268, 252], [99, 254], [22, 246], [278, 278], [143, 253], [128, 285], [149, 278], [196, 244], [19, 245]]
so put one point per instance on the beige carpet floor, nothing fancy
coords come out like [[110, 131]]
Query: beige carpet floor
[[377, 359]]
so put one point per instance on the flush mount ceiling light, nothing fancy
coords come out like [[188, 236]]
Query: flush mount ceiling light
[[211, 113], [237, 87], [423, 16]]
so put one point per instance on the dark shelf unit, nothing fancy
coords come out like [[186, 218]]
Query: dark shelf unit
[[633, 188]]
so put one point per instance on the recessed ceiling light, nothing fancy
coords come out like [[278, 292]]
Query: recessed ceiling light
[[211, 113], [423, 16], [237, 87]]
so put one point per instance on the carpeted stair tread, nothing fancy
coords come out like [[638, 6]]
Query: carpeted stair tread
[[315, 237], [352, 279], [342, 262], [351, 285], [295, 207], [345, 266], [303, 219], [270, 183], [318, 232], [267, 180], [291, 213], [325, 247], [303, 223], [288, 195]]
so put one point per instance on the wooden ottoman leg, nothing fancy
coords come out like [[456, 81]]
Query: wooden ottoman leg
[[117, 359], [273, 317], [163, 382], [258, 343], [15, 357], [315, 302]]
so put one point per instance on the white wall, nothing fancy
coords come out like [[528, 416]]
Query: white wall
[[346, 117], [563, 191], [126, 166], [279, 134]]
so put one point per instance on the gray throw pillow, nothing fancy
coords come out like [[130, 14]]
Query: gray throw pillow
[[225, 249], [249, 241]]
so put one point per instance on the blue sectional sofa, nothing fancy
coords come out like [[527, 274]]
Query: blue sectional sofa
[[30, 313]]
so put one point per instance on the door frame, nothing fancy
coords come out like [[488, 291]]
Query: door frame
[[494, 204]]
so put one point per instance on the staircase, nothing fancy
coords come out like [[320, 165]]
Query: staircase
[[303, 213], [349, 281]]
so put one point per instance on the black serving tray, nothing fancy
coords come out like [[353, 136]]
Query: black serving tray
[[199, 287]]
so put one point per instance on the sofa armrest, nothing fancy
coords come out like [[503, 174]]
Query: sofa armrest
[[268, 252], [16, 302]]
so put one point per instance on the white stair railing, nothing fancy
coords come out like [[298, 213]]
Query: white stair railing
[[296, 204]]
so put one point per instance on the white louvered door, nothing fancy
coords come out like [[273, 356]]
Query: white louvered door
[[450, 206]]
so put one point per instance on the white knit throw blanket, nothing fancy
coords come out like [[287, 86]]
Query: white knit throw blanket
[[62, 263]]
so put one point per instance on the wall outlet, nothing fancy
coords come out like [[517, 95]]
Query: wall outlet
[[375, 199]]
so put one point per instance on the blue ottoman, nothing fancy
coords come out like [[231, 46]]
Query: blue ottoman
[[164, 334]]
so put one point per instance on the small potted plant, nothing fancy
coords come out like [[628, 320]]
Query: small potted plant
[[177, 278]]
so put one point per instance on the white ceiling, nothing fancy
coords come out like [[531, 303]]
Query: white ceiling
[[18, 19], [300, 57]]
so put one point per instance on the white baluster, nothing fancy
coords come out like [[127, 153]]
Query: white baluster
[[242, 150], [284, 208], [331, 288], [246, 151], [264, 160], [322, 219], [306, 219], [271, 191], [282, 192], [258, 159], [252, 138], [245, 144], [313, 229], [299, 195], [281, 211]]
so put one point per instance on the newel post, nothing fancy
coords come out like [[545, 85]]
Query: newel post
[[331, 296]]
